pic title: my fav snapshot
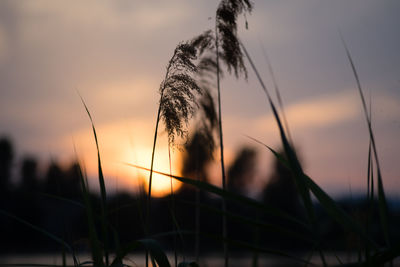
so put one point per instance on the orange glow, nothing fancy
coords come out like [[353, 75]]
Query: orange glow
[[161, 184], [120, 146]]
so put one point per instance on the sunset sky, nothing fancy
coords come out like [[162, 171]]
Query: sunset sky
[[114, 53]]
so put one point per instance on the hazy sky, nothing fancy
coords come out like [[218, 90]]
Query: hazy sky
[[114, 53]]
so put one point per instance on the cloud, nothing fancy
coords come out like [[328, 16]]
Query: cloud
[[327, 110]]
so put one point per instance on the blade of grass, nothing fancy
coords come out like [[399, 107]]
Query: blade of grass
[[97, 254], [330, 206], [292, 158], [102, 189], [383, 207], [294, 163], [370, 201], [337, 213]]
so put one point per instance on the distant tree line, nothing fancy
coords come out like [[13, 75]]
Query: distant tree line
[[53, 201]]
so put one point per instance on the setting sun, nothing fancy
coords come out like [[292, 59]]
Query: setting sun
[[161, 184], [121, 145]]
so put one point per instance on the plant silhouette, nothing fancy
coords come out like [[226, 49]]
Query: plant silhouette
[[242, 170], [6, 160]]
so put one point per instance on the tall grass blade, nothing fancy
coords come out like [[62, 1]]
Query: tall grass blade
[[294, 163], [97, 253], [383, 207], [104, 213], [337, 213], [292, 158], [330, 206], [370, 201], [327, 203]]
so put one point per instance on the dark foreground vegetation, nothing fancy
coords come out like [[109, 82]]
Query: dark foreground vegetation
[[53, 201]]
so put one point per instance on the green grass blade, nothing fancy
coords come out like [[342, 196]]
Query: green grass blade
[[383, 207], [336, 212], [103, 193], [330, 205], [370, 201], [97, 254], [294, 163], [101, 177]]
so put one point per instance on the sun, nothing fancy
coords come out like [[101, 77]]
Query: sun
[[161, 184]]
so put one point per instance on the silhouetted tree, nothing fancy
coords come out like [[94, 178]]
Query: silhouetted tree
[[72, 187], [281, 193], [281, 190], [29, 176], [6, 159], [53, 179], [242, 170]]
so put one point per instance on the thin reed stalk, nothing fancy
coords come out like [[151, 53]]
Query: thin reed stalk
[[154, 148], [221, 143], [173, 208]]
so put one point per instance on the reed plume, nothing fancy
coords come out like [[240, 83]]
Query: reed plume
[[177, 93]]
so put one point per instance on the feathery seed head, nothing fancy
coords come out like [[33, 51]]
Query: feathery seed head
[[227, 13]]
